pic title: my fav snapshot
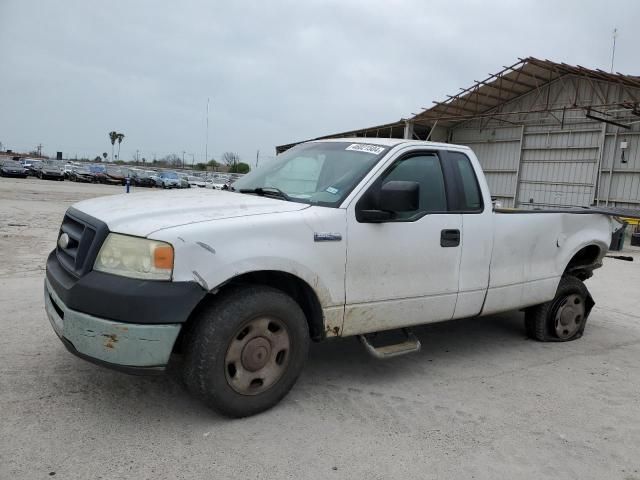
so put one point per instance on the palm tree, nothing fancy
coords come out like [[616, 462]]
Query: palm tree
[[113, 136], [120, 137], [105, 155]]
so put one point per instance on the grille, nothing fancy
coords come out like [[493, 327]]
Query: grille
[[85, 238]]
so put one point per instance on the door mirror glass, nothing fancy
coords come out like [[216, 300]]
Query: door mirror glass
[[394, 197]]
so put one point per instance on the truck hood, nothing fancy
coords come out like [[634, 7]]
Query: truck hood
[[141, 214]]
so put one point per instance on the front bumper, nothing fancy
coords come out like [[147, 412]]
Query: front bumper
[[122, 323], [129, 347], [14, 173], [84, 178]]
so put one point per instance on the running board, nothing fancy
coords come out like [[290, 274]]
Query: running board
[[410, 344]]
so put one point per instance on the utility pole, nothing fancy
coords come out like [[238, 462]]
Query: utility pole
[[183, 152], [257, 158], [206, 145], [137, 158], [613, 50], [39, 149]]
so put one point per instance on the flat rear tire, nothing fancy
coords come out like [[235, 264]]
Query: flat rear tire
[[564, 318]]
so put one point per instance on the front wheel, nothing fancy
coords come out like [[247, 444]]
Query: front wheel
[[246, 350], [564, 318]]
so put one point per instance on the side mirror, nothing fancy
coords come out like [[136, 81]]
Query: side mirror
[[399, 196], [394, 197]]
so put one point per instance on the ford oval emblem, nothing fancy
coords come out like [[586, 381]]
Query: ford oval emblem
[[63, 241]]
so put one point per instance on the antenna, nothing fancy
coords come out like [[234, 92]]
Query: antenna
[[613, 51]]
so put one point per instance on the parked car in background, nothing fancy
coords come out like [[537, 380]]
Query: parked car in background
[[155, 176], [67, 169], [168, 180], [83, 174], [114, 175], [11, 168], [98, 172], [184, 182], [33, 167], [50, 170], [141, 178], [218, 182], [196, 182]]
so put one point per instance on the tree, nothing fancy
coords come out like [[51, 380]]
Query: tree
[[200, 166], [230, 159], [104, 155], [97, 159], [213, 164], [172, 160], [240, 167], [120, 137], [113, 136]]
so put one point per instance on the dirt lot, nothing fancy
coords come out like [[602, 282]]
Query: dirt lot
[[479, 401]]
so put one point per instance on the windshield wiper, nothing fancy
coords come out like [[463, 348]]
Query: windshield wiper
[[267, 192]]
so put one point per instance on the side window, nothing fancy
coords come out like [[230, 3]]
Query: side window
[[426, 170], [471, 191]]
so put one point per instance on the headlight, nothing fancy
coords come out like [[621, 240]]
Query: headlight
[[135, 257]]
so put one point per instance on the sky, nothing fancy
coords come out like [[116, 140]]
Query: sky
[[275, 72]]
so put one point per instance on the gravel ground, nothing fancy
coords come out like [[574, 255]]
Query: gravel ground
[[479, 401]]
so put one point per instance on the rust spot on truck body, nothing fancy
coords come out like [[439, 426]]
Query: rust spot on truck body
[[332, 331], [111, 340]]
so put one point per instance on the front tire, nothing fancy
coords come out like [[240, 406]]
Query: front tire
[[564, 318], [246, 350]]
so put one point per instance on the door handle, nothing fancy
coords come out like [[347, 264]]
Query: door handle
[[449, 238]]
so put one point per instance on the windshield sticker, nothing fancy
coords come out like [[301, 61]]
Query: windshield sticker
[[361, 147], [332, 190]]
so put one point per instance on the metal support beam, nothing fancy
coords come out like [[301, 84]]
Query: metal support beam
[[408, 129], [517, 186], [598, 179], [600, 119]]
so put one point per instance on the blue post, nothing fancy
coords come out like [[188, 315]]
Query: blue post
[[127, 183]]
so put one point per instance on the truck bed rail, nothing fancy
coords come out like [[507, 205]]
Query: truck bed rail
[[611, 212]]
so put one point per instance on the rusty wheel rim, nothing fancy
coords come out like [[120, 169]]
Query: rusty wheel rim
[[569, 316], [257, 356]]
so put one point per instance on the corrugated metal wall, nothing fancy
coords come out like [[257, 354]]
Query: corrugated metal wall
[[619, 183], [498, 150], [545, 160], [559, 167]]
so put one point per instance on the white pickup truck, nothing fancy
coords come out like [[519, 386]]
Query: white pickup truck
[[334, 238]]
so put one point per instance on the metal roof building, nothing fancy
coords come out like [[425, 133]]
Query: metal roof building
[[546, 133]]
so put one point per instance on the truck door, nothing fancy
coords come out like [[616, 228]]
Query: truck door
[[477, 234], [403, 271]]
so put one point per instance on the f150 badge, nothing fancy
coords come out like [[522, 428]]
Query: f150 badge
[[327, 237]]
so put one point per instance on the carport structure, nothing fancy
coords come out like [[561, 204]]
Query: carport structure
[[547, 134]]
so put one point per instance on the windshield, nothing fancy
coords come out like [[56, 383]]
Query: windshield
[[170, 175], [97, 168], [82, 170], [321, 173], [11, 163]]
